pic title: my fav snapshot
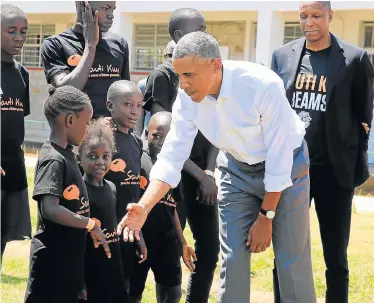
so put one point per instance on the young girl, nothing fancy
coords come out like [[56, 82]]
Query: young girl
[[104, 277], [57, 249]]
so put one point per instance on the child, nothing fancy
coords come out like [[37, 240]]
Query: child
[[162, 230], [104, 277], [57, 248], [125, 103], [15, 105]]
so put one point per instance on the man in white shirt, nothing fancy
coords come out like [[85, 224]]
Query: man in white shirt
[[241, 108]]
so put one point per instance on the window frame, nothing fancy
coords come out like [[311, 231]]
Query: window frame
[[45, 31], [296, 27]]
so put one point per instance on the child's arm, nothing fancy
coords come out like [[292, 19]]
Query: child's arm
[[141, 248], [51, 210], [187, 251]]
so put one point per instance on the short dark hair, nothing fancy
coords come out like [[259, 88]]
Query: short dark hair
[[10, 10], [326, 4], [121, 87], [178, 17], [98, 130], [63, 100]]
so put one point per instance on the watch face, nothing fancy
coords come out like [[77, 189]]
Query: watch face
[[270, 214]]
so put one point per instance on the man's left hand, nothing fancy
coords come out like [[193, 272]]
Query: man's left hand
[[366, 127], [259, 235]]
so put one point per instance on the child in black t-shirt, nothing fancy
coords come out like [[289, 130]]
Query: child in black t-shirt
[[104, 277], [15, 106], [162, 231], [124, 103], [57, 249]]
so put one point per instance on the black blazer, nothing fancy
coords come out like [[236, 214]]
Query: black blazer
[[350, 102]]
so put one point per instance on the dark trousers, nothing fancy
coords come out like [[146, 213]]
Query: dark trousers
[[334, 208], [203, 221]]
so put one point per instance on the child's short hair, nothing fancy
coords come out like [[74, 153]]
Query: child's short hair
[[120, 88], [64, 99], [10, 10], [98, 131]]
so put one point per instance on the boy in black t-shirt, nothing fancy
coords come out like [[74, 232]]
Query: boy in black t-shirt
[[88, 56], [103, 277], [162, 231], [125, 103], [15, 105], [57, 249]]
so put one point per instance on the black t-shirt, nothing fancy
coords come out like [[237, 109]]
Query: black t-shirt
[[57, 251], [160, 224], [15, 105], [162, 87], [309, 100], [63, 52], [104, 277], [125, 170]]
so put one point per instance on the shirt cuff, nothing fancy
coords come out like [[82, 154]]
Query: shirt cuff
[[277, 183], [165, 171]]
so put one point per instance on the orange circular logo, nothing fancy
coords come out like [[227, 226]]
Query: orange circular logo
[[118, 165], [73, 60], [97, 221], [143, 182], [71, 192]]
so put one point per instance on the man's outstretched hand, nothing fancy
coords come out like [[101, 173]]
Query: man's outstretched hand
[[132, 223]]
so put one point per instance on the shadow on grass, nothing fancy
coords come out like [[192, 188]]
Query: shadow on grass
[[6, 279]]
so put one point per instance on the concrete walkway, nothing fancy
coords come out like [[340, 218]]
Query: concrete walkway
[[361, 204]]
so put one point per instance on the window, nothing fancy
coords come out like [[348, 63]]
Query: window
[[149, 46], [369, 39], [30, 53], [292, 31]]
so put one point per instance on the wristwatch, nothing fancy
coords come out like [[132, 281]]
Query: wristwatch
[[209, 173], [270, 214]]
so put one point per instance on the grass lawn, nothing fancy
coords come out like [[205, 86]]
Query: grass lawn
[[361, 260]]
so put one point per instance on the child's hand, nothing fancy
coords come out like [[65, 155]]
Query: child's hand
[[99, 239], [189, 257], [141, 249], [2, 172], [83, 294]]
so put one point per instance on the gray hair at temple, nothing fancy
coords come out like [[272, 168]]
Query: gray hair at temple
[[197, 44]]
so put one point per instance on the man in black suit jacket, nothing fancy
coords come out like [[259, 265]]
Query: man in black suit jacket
[[329, 83]]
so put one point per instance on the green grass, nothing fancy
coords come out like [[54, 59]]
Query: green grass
[[361, 260]]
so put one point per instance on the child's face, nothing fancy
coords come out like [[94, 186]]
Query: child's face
[[77, 125], [157, 131], [13, 34], [126, 111], [96, 158]]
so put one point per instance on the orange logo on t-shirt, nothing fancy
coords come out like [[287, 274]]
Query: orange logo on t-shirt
[[71, 192], [73, 60], [143, 182], [118, 165], [97, 221]]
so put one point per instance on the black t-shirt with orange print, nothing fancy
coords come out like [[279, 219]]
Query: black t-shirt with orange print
[[57, 251], [15, 106], [63, 52], [125, 170], [160, 224], [104, 277]]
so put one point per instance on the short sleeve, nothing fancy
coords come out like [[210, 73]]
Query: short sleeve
[[52, 58], [49, 179], [157, 90], [125, 74]]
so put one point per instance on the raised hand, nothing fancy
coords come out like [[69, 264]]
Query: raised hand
[[90, 25]]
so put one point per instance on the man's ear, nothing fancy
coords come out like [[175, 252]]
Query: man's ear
[[69, 121], [177, 35], [109, 106]]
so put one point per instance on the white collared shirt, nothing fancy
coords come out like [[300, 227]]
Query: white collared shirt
[[251, 119]]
